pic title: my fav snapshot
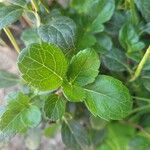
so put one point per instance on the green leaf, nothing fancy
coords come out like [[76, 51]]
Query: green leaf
[[120, 134], [113, 26], [51, 130], [9, 15], [59, 31], [105, 10], [85, 40], [30, 36], [8, 79], [139, 143], [54, 107], [84, 67], [81, 6], [104, 43], [144, 8], [42, 66], [18, 2], [73, 93], [129, 38], [115, 60], [145, 28], [74, 136], [146, 80], [108, 98], [18, 116], [97, 123]]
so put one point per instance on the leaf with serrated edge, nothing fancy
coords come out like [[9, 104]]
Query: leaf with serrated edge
[[18, 116], [43, 66], [108, 98], [84, 67], [115, 60], [54, 107], [60, 31]]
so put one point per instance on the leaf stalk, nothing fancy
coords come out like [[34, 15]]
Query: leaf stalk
[[12, 39], [141, 65]]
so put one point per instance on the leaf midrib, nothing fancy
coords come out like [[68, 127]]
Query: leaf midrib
[[46, 68]]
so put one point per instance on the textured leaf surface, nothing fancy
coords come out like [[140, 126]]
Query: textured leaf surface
[[108, 98], [18, 116], [129, 39], [54, 107], [86, 40], [9, 14], [139, 143], [115, 60], [30, 36], [7, 79], [59, 31], [105, 9], [73, 93], [104, 42], [74, 136], [144, 7], [43, 66], [84, 67], [121, 134], [18, 2]]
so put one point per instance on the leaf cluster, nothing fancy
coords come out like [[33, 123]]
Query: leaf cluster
[[77, 69]]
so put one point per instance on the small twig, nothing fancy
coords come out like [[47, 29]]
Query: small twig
[[12, 39], [141, 65], [36, 13], [141, 98], [147, 133], [139, 109]]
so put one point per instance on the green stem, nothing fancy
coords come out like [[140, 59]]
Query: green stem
[[36, 12], [44, 5], [141, 98], [140, 109], [141, 65], [135, 18], [12, 39], [34, 5]]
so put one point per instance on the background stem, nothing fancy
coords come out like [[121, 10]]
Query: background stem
[[12, 39], [141, 65], [141, 99], [35, 11]]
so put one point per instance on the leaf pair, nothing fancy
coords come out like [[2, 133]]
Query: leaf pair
[[44, 66]]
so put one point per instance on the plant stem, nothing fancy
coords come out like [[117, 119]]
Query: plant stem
[[44, 5], [12, 39], [36, 13], [140, 109], [135, 18], [142, 98], [141, 65], [34, 5], [147, 133]]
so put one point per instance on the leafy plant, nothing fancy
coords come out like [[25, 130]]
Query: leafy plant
[[86, 67]]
